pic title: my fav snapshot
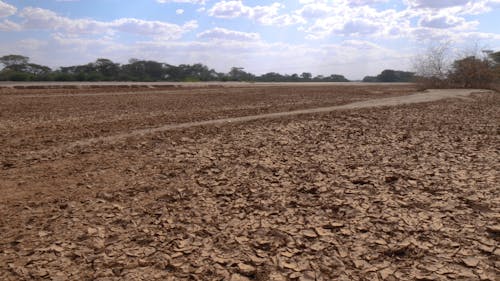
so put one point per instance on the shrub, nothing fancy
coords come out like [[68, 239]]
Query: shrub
[[471, 72]]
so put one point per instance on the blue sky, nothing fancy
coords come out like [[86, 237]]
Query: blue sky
[[354, 38]]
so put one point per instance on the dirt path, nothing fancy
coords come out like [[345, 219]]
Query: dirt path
[[427, 96]]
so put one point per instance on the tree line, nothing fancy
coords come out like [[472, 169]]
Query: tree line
[[432, 69], [19, 68], [390, 75]]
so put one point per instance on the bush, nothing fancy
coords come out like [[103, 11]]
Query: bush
[[424, 83], [471, 72], [10, 75]]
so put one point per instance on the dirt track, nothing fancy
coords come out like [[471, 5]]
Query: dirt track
[[428, 96], [407, 192]]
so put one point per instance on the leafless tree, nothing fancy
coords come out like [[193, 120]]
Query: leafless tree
[[433, 65], [434, 62]]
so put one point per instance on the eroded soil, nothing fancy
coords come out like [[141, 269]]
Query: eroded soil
[[406, 192]]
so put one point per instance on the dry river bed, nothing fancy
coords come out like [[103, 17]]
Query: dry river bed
[[402, 192]]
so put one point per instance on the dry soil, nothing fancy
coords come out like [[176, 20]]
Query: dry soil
[[351, 183]]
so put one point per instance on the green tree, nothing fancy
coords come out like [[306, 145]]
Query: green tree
[[370, 79], [306, 76], [336, 78], [107, 68], [18, 68], [9, 60], [390, 75], [238, 74]]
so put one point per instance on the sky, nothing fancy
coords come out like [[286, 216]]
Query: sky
[[353, 38]]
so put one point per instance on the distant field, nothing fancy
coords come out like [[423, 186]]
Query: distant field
[[248, 181]]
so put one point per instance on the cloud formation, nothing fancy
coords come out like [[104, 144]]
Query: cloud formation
[[226, 34], [38, 18], [351, 37], [266, 15], [6, 9], [9, 26], [199, 2]]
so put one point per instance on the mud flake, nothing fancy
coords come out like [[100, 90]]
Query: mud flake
[[309, 233], [246, 269], [239, 277], [470, 261], [386, 272]]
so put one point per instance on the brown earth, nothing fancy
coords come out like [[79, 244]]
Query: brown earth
[[407, 192]]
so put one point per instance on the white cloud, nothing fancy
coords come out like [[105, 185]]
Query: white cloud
[[444, 21], [230, 9], [266, 15], [32, 44], [471, 7], [179, 11], [226, 34], [361, 45], [343, 2], [437, 4], [6, 9], [365, 2], [346, 20], [37, 18], [152, 28], [431, 35], [315, 10], [200, 2], [328, 18], [360, 27], [7, 25]]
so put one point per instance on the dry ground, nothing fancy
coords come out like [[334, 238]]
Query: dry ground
[[405, 192]]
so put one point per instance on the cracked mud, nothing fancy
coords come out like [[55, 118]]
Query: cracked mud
[[401, 192]]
